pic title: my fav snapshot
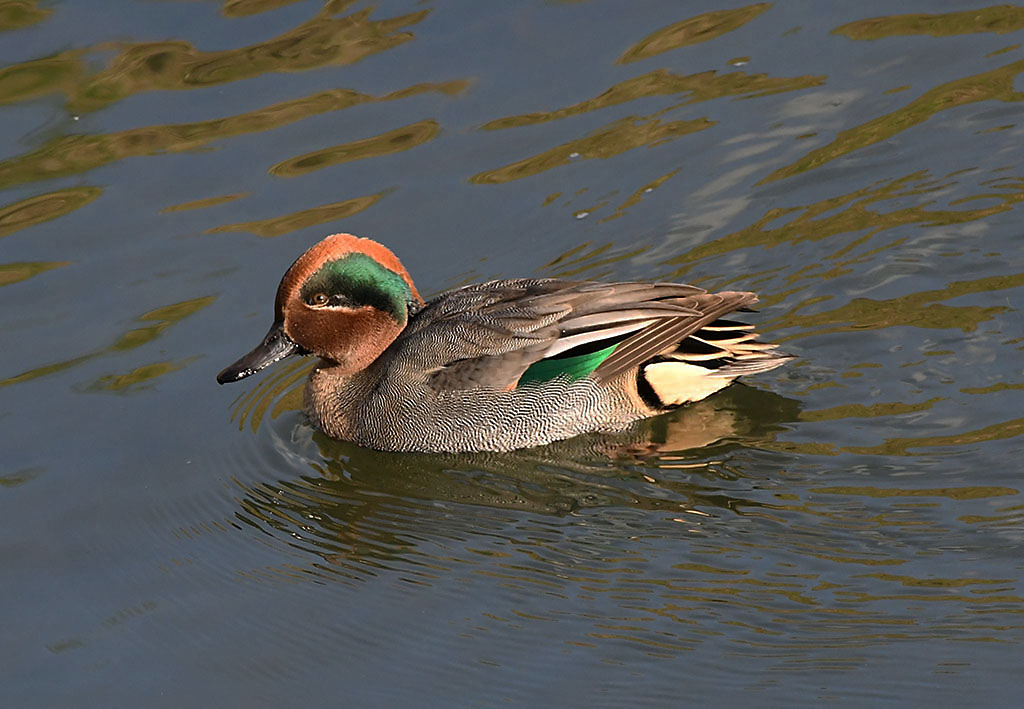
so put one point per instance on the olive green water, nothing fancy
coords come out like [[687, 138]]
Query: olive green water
[[847, 528]]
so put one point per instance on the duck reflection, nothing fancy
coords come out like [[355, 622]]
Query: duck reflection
[[357, 508], [585, 471]]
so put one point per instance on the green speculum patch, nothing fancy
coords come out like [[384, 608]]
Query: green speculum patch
[[575, 367], [357, 280]]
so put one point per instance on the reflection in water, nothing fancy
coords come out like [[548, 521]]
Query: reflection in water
[[356, 514], [323, 40], [848, 411], [903, 445], [912, 310], [571, 257], [16, 14], [954, 493], [858, 212], [999, 19], [613, 139], [276, 226], [16, 272], [705, 86], [638, 196], [588, 260], [853, 212], [73, 154], [44, 207], [283, 385], [1001, 386], [161, 319], [139, 378], [702, 28], [20, 477], [244, 8], [30, 80], [633, 132], [356, 497], [995, 85], [203, 203], [394, 141]]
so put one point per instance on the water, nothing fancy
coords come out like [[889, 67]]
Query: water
[[847, 528]]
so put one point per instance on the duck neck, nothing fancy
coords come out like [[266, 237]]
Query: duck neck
[[332, 397]]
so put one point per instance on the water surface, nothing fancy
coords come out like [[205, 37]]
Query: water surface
[[848, 527]]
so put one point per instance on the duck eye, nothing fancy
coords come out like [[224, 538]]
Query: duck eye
[[318, 299]]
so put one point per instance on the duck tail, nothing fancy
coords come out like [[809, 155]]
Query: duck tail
[[706, 362]]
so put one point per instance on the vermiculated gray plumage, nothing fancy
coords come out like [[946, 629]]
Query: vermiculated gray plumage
[[451, 380]]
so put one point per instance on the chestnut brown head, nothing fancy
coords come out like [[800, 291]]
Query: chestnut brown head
[[345, 300]]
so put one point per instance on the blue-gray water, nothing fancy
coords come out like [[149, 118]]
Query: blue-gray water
[[849, 527]]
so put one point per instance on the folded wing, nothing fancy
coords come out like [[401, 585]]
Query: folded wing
[[505, 334]]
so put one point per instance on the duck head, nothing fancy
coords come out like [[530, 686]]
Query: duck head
[[345, 300]]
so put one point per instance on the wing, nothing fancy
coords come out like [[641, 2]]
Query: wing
[[665, 336], [490, 334]]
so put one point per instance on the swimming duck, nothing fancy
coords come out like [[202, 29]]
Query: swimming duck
[[499, 365]]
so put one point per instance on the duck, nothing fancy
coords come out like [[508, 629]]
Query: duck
[[499, 365]]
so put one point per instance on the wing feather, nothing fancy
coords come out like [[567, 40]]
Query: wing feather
[[489, 334], [665, 336]]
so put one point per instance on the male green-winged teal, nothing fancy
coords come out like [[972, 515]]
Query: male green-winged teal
[[499, 365]]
